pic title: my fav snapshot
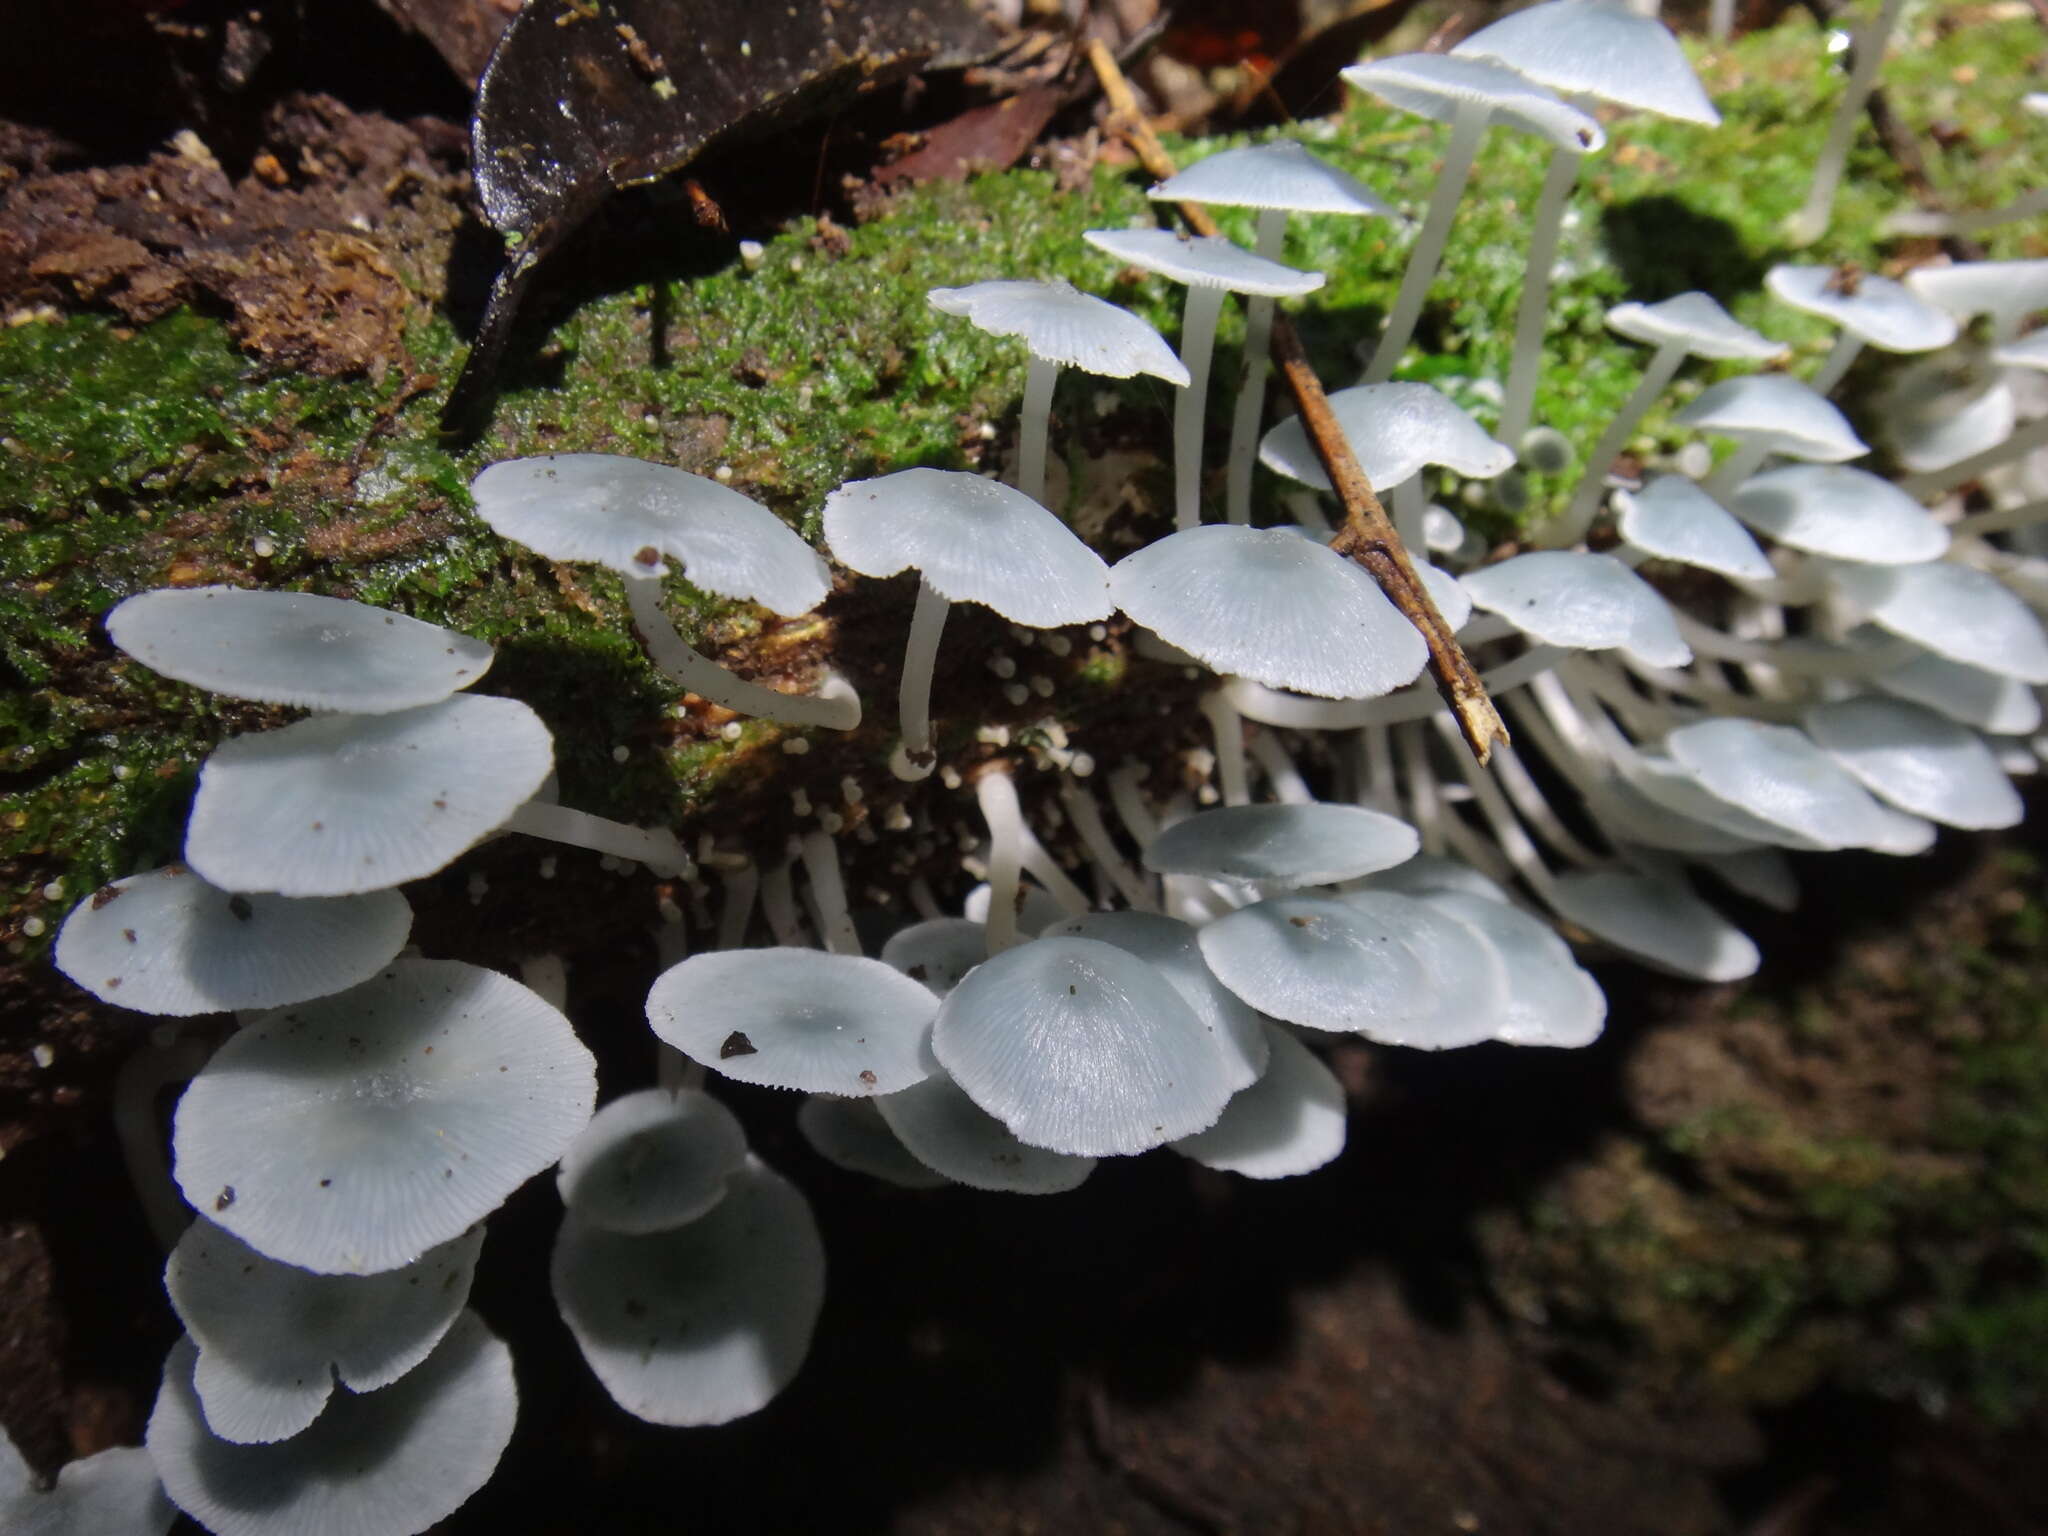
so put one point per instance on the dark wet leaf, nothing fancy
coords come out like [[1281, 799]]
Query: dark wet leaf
[[584, 96]]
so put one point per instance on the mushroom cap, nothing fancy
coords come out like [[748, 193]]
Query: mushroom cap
[[1395, 431], [295, 648], [2008, 291], [351, 1134], [1058, 322], [627, 514], [1599, 48], [341, 804], [704, 1323], [851, 1134], [1437, 85], [1272, 606], [1280, 175], [2030, 351], [1705, 327], [166, 942], [1290, 845], [973, 540], [1081, 1047], [1874, 309], [1985, 701], [1657, 921], [1833, 509], [1917, 760], [1553, 1001], [1428, 874], [796, 1018], [962, 1142], [1447, 592], [1203, 261], [1778, 412], [1930, 434], [110, 1493], [1764, 875], [1777, 773], [651, 1160], [385, 1463], [1952, 610], [1687, 817], [1673, 519], [1291, 1121], [939, 952], [272, 1338], [1586, 601]]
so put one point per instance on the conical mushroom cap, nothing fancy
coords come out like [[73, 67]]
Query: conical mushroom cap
[[627, 515], [1058, 322], [1704, 326], [795, 1018], [272, 1337], [851, 1134], [295, 648], [651, 1160], [1436, 85], [385, 1463], [705, 1323], [1833, 509], [1599, 48], [1917, 760], [352, 1134], [955, 1137], [1659, 922], [1271, 606], [341, 804], [1552, 1001], [1290, 845], [1953, 610], [973, 540], [166, 942], [1395, 431], [1203, 261], [1673, 519], [1290, 1122], [1873, 309], [1777, 412], [1280, 175], [1081, 1047], [1587, 602], [1776, 773]]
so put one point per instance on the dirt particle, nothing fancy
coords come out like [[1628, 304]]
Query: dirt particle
[[225, 1198], [736, 1044]]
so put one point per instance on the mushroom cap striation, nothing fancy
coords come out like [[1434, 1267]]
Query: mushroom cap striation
[[1395, 431], [352, 1134], [296, 648], [851, 1134], [1203, 261], [1600, 48], [651, 1160], [1290, 1122], [1439, 85], [1551, 1000], [1058, 322], [1585, 601], [956, 1138]]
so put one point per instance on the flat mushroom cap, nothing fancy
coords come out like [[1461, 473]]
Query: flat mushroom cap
[[1203, 261], [705, 1323], [1985, 701], [626, 514], [1874, 309], [851, 1134], [651, 1160], [1673, 519], [1281, 175], [1599, 48], [1437, 85], [1058, 322], [2008, 291], [385, 1463], [1834, 509], [1081, 1047], [1659, 922], [1705, 327], [1777, 412], [273, 1337], [1960, 613], [352, 1134], [1269, 605], [110, 1493], [166, 942], [796, 1018], [1289, 845], [973, 541], [341, 804], [1586, 601], [1290, 1122], [1553, 1001], [1395, 430], [1917, 760], [295, 648], [1777, 773], [956, 1138]]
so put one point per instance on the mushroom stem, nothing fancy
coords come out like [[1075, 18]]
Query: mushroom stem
[[1228, 728], [1297, 712], [1086, 816], [1811, 221], [1376, 786], [547, 977], [2001, 519], [655, 847], [821, 863], [741, 886], [997, 797], [1467, 129], [1518, 403], [1657, 377], [1836, 367], [1748, 457], [1251, 393], [778, 905], [1130, 806], [142, 1077], [2029, 437], [1197, 343], [835, 707], [914, 696], [1033, 424], [1285, 780], [1409, 507]]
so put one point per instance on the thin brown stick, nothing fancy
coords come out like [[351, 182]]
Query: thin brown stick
[[1368, 535]]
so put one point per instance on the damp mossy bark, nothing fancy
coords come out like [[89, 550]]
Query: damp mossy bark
[[132, 458]]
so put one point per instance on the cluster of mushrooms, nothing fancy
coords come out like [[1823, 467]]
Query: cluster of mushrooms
[[1854, 661]]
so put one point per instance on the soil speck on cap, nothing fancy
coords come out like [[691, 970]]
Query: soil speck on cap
[[225, 1198], [867, 1077], [736, 1044], [103, 895]]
